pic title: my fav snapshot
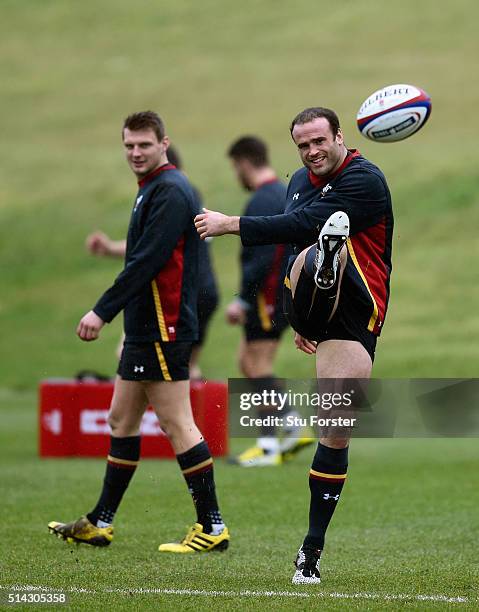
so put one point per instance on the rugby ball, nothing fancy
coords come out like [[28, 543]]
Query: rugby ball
[[393, 113]]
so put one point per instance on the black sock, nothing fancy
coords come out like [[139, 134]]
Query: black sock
[[326, 480], [121, 465], [197, 467]]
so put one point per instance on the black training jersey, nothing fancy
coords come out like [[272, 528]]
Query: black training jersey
[[358, 188], [158, 286], [263, 267]]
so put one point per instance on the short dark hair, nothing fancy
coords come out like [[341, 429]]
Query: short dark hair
[[174, 157], [316, 112], [251, 148], [143, 121]]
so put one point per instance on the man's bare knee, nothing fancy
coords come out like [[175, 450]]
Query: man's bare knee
[[127, 407], [245, 365], [174, 424], [124, 424], [258, 358], [249, 370], [171, 402], [113, 421]]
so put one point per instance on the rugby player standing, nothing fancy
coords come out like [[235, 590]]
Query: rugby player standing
[[157, 290], [336, 291], [259, 305]]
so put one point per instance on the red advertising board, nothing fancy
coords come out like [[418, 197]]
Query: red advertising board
[[73, 419]]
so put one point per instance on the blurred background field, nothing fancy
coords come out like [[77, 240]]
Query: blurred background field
[[70, 72]]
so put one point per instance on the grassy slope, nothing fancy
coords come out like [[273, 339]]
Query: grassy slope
[[71, 72]]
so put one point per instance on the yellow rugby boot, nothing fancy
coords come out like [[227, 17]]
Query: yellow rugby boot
[[196, 541], [82, 532], [292, 447], [255, 456]]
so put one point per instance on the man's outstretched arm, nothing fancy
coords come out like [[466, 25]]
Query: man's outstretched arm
[[99, 243], [363, 197], [270, 229], [212, 223]]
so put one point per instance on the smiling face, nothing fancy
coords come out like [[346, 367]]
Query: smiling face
[[320, 150], [144, 152]]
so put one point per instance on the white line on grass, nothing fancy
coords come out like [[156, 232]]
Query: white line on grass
[[246, 593]]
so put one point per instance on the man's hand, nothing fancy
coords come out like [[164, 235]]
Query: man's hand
[[235, 313], [212, 223], [307, 346], [99, 243], [89, 327]]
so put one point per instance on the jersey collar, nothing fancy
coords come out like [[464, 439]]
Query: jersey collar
[[321, 182], [146, 179], [267, 182]]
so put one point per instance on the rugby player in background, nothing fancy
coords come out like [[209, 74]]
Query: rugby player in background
[[258, 308]]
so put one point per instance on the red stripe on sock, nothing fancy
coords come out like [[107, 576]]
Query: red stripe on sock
[[199, 470], [123, 466], [326, 479]]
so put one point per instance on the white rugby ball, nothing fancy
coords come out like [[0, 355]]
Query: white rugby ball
[[393, 113]]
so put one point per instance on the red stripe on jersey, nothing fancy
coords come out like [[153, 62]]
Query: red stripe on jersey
[[142, 182], [170, 282], [319, 182], [273, 280], [369, 247]]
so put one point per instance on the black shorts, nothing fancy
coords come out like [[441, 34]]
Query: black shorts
[[308, 315], [262, 326], [155, 361], [207, 304]]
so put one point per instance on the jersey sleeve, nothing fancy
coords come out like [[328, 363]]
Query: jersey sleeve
[[361, 194], [167, 218]]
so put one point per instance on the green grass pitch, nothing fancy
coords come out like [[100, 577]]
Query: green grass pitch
[[405, 530], [405, 533]]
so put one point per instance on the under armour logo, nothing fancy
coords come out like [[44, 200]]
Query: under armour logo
[[138, 202], [139, 369], [296, 196], [326, 189], [328, 496]]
